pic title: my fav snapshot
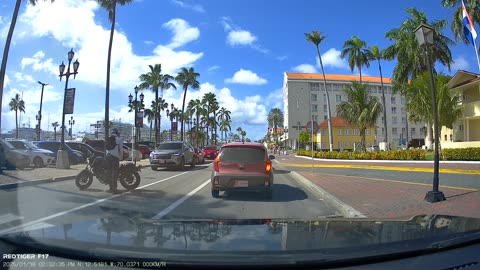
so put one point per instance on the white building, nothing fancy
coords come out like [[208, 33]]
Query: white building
[[304, 99]]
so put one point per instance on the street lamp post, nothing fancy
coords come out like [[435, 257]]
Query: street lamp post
[[171, 114], [62, 155], [71, 122], [136, 107], [424, 35], [285, 132], [39, 116]]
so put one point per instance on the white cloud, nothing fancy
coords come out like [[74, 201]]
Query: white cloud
[[281, 58], [305, 68], [80, 31], [460, 63], [148, 42], [240, 37], [23, 77], [213, 68], [246, 77], [332, 58], [275, 99], [196, 7], [37, 65], [182, 32]]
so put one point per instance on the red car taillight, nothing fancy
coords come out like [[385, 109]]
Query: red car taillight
[[268, 166], [215, 180], [216, 165]]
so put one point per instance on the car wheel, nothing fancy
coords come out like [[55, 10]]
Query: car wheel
[[215, 193], [38, 162], [154, 168]]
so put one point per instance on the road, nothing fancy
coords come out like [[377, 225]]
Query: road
[[165, 194]]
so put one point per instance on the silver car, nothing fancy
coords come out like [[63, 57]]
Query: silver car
[[172, 154], [39, 157]]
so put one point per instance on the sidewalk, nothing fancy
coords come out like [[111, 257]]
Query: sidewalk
[[356, 196], [33, 176]]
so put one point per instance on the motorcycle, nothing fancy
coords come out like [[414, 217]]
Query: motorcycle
[[128, 175]]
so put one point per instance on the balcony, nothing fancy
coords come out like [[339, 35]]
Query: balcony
[[471, 109]]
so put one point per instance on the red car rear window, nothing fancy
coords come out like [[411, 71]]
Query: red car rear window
[[242, 154]]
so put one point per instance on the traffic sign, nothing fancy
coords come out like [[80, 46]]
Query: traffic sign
[[308, 126]]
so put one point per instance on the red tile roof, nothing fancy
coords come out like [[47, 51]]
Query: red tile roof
[[336, 122], [336, 77]]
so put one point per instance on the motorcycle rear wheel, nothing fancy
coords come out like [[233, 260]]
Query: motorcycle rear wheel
[[130, 181], [84, 179]]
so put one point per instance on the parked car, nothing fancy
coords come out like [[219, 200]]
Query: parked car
[[10, 158], [145, 150], [211, 151], [373, 148], [172, 154], [39, 157], [127, 153], [199, 155], [242, 166], [87, 150], [74, 156], [99, 145]]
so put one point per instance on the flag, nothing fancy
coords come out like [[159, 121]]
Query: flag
[[468, 27]]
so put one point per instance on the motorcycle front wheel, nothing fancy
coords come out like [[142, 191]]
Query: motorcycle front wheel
[[84, 179], [130, 181]]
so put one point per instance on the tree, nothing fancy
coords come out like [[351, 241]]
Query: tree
[[6, 49], [374, 53], [150, 115], [55, 125], [411, 60], [304, 138], [16, 104], [275, 120], [361, 110], [419, 103], [195, 106], [316, 38], [211, 103], [355, 49], [473, 9], [155, 80], [111, 7], [187, 77], [224, 121]]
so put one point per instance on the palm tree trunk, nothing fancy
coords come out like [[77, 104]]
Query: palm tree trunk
[[360, 72], [107, 86], [16, 124], [329, 114], [384, 105], [183, 112], [5, 53]]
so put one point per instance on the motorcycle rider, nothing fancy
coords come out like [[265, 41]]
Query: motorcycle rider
[[113, 158]]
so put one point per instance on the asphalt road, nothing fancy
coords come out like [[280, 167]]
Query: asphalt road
[[165, 194]]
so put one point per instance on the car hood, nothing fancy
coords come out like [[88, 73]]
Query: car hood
[[233, 241], [44, 151]]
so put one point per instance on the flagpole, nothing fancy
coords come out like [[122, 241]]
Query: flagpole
[[476, 52]]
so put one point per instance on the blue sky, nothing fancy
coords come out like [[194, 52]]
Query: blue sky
[[240, 48]]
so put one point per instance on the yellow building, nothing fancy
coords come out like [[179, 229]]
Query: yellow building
[[345, 137], [466, 131]]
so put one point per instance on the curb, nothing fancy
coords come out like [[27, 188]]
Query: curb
[[36, 182], [392, 161], [346, 210]]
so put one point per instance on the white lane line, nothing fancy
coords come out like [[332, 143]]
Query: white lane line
[[34, 222], [180, 201]]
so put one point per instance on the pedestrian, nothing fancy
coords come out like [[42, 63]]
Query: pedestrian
[[114, 155], [274, 148]]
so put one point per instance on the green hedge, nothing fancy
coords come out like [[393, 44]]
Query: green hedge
[[471, 153], [413, 154]]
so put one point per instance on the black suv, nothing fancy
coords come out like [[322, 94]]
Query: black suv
[[86, 149]]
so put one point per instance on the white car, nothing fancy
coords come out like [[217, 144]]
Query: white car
[[39, 157]]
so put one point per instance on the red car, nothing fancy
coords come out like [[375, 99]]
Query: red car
[[199, 155], [211, 151]]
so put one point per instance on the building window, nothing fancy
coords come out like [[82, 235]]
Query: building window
[[314, 97], [394, 131], [383, 131], [367, 132], [325, 108], [392, 100], [404, 130], [451, 138], [404, 119], [356, 132], [394, 110], [324, 117], [460, 127], [340, 132], [347, 132], [324, 131], [394, 120], [422, 131], [314, 86], [402, 100], [324, 97], [314, 108], [338, 98], [315, 118], [445, 137], [376, 131], [412, 131], [403, 110]]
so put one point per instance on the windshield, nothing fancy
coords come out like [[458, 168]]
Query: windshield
[[271, 110], [7, 145], [31, 145], [170, 146]]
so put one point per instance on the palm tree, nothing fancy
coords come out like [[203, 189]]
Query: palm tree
[[187, 77], [374, 53], [419, 103], [361, 110], [155, 80], [457, 20], [211, 105], [224, 127], [196, 108], [223, 119], [150, 114], [355, 49], [17, 104], [55, 125], [7, 49], [275, 120], [410, 59], [316, 38]]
